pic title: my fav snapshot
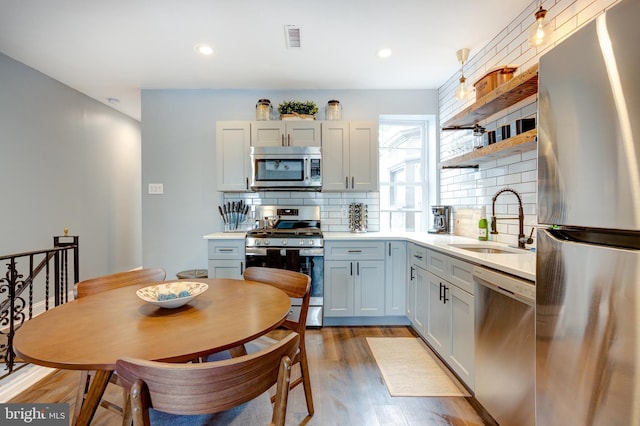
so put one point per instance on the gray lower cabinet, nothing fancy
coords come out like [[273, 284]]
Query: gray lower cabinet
[[354, 279], [416, 306], [395, 279], [440, 306], [226, 258], [353, 288]]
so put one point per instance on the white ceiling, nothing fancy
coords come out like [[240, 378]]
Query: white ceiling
[[112, 49]]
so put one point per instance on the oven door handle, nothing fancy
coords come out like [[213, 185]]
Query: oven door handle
[[258, 251], [262, 251]]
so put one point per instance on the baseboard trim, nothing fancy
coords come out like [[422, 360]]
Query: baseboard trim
[[22, 379]]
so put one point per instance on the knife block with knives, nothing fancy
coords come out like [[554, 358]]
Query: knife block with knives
[[234, 215]]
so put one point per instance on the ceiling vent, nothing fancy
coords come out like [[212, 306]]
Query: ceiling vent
[[292, 36]]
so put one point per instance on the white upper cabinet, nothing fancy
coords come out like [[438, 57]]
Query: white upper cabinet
[[232, 149], [349, 156], [286, 133], [349, 151]]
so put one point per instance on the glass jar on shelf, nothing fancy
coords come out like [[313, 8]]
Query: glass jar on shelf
[[478, 137], [333, 110], [264, 110]]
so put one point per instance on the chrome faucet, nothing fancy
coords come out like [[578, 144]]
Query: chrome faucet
[[522, 240]]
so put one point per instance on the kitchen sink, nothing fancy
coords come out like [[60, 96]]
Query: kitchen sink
[[480, 248]]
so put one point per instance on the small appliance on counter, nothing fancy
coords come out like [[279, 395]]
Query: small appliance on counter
[[441, 220], [358, 217]]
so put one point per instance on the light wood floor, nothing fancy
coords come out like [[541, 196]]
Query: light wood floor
[[347, 388]]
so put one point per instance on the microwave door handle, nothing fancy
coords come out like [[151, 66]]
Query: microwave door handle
[[307, 170]]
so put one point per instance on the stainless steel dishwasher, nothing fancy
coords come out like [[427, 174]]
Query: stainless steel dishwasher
[[505, 346]]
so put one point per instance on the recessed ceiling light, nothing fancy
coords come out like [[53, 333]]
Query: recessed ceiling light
[[203, 49], [384, 53]]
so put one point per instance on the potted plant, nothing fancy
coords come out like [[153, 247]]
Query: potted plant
[[297, 110]]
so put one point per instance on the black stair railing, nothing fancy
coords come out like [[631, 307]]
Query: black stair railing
[[28, 282]]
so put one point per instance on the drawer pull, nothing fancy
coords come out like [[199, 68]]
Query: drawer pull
[[354, 251]]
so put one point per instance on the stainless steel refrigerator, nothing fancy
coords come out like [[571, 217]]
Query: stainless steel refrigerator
[[588, 257]]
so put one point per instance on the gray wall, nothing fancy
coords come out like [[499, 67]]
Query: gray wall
[[67, 161], [178, 150]]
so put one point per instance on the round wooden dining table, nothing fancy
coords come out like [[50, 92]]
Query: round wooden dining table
[[93, 332]]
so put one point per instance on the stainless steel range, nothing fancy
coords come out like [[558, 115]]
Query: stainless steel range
[[291, 239]]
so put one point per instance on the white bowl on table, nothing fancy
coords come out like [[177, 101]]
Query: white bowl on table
[[172, 294]]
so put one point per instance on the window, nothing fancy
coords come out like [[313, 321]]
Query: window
[[407, 188]]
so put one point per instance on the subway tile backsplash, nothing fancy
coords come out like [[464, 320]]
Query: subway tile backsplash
[[334, 206]]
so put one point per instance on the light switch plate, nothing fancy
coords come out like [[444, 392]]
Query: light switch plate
[[156, 188]]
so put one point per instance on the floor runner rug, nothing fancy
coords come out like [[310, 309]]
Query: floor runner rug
[[409, 368]]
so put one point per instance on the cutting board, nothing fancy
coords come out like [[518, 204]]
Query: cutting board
[[465, 222]]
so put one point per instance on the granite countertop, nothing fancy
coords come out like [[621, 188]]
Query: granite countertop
[[522, 264]]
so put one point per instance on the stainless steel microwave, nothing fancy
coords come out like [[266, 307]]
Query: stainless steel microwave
[[286, 168]]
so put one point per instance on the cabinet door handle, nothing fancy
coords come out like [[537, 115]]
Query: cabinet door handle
[[411, 277], [389, 249], [241, 268], [353, 185], [247, 179], [288, 140], [358, 268], [282, 143], [351, 268], [417, 256], [346, 182], [440, 292], [445, 300]]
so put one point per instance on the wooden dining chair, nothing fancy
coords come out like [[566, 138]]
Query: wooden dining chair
[[295, 285], [206, 388], [98, 285]]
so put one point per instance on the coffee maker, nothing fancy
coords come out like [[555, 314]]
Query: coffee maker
[[441, 220]]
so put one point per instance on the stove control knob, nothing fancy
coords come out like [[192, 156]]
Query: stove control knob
[[284, 242], [301, 242], [310, 242], [265, 243]]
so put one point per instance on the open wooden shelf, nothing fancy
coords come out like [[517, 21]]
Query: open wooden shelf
[[521, 143], [513, 91]]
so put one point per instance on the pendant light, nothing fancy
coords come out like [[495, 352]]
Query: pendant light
[[462, 91], [540, 33]]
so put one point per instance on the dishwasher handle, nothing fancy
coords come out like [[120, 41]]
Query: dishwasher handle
[[512, 287]]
